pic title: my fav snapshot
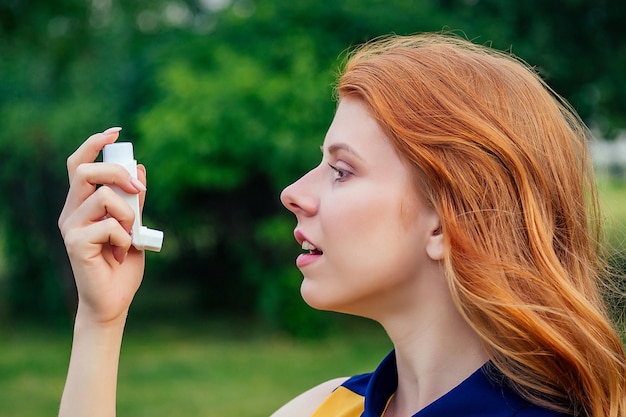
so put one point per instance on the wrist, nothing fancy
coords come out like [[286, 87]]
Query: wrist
[[86, 320]]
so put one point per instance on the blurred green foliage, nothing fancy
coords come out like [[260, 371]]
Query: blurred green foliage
[[227, 101]]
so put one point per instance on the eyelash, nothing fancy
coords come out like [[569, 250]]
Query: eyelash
[[341, 174]]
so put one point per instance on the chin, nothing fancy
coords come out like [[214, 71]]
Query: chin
[[325, 301], [315, 299]]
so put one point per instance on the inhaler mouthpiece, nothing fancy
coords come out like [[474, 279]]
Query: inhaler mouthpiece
[[142, 238]]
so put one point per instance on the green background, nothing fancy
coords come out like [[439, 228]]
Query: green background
[[227, 102]]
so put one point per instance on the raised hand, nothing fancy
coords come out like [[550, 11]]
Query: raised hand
[[95, 224]]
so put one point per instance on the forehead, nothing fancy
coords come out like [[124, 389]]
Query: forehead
[[354, 131]]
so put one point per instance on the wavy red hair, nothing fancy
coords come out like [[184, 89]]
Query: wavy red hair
[[504, 161]]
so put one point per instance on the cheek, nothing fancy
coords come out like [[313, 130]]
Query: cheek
[[356, 221], [369, 239]]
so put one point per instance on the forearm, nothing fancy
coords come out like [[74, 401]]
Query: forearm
[[96, 224], [90, 388]]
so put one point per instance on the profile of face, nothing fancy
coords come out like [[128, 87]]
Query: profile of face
[[371, 243]]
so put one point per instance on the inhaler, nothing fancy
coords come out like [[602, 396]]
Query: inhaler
[[142, 238]]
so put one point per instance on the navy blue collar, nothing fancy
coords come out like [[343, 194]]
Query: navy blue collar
[[479, 395]]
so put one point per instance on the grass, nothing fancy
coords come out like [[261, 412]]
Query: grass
[[32, 370], [214, 369]]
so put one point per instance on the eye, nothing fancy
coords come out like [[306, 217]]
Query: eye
[[340, 174]]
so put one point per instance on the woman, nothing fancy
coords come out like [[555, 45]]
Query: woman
[[454, 204]]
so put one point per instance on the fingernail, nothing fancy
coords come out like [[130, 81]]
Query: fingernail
[[111, 130], [137, 184]]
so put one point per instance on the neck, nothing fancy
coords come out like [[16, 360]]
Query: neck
[[435, 351]]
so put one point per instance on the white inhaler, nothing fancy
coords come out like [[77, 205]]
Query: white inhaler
[[142, 238]]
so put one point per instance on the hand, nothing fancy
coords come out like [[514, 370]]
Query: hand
[[95, 224]]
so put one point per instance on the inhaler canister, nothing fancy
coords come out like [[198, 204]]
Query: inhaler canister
[[142, 238]]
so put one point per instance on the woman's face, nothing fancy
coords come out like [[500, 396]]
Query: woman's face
[[369, 240]]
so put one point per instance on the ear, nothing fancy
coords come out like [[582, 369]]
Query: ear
[[435, 244]]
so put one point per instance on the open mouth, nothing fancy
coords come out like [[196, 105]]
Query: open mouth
[[306, 245]]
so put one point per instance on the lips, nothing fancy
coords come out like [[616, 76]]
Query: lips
[[314, 253]]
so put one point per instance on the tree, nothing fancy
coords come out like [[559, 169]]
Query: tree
[[227, 102]]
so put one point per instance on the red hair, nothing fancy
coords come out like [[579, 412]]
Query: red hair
[[504, 161]]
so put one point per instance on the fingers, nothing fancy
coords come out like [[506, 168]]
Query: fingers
[[89, 150], [92, 216], [88, 175], [104, 218], [105, 232], [85, 175], [141, 176], [104, 203]]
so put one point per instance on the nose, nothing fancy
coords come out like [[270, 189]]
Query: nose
[[300, 197]]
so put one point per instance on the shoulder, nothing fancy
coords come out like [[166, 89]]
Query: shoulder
[[306, 403]]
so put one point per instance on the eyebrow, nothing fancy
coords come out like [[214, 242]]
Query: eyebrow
[[333, 149]]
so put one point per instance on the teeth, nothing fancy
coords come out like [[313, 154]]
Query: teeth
[[306, 245]]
